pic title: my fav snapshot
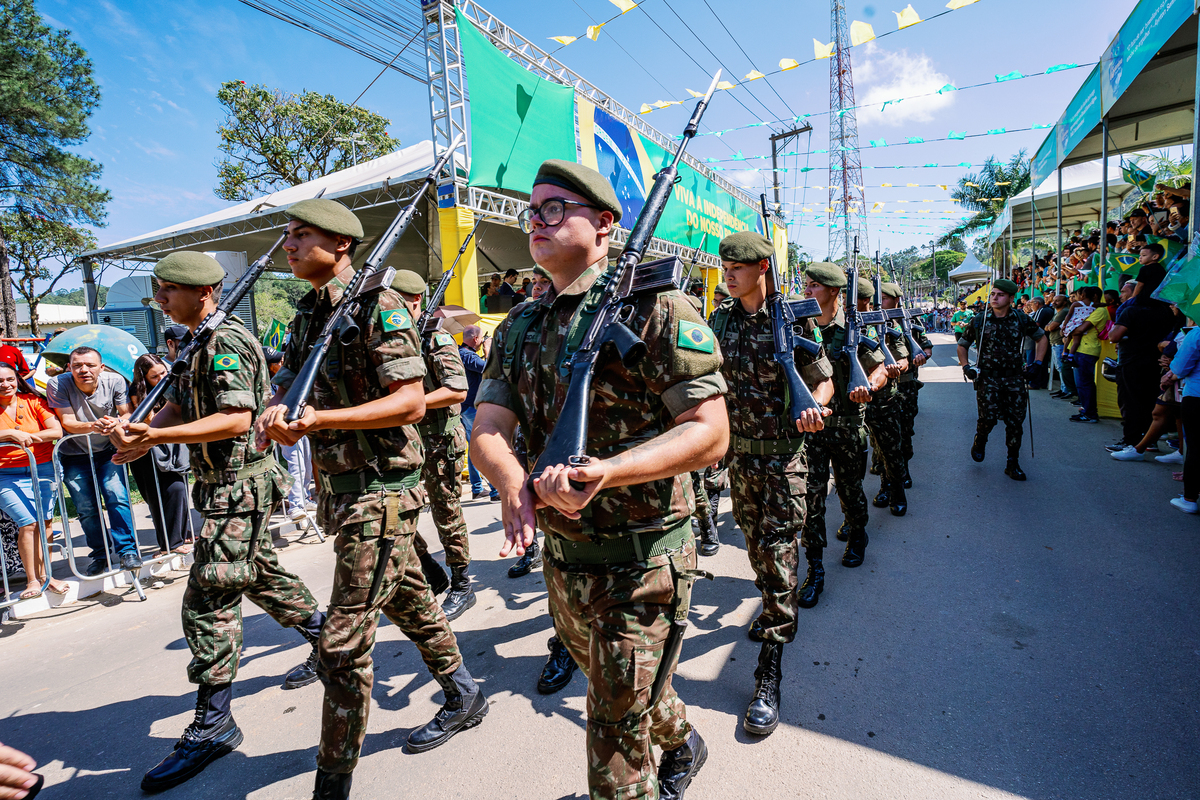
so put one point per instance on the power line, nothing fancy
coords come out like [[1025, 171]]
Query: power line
[[748, 58]]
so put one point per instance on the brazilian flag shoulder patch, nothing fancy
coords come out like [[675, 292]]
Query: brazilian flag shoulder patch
[[396, 319], [817, 334], [693, 336], [443, 340], [224, 362]]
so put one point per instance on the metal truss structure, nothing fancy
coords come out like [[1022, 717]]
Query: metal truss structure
[[847, 203]]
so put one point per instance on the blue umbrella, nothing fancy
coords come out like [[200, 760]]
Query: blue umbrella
[[118, 349]]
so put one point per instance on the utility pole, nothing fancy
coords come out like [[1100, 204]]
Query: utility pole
[[778, 142]]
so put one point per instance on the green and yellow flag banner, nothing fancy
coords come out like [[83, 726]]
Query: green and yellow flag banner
[[275, 334], [1182, 287]]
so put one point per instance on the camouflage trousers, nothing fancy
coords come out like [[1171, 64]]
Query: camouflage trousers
[[883, 424], [444, 454], [212, 617], [1002, 400], [707, 483], [344, 654], [844, 449], [768, 494], [909, 409], [615, 624]]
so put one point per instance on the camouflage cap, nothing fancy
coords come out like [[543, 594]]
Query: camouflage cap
[[1005, 285], [538, 269], [190, 269], [408, 282], [826, 274], [328, 215], [892, 289], [583, 181], [721, 288], [746, 247], [866, 289]]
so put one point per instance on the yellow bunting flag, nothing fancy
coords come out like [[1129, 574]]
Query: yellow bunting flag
[[860, 33], [564, 40], [694, 94], [788, 63], [645, 109], [822, 50], [877, 206], [753, 75], [914, 184], [829, 210], [887, 185], [907, 17], [625, 5], [943, 187], [593, 31], [954, 5], [725, 85], [665, 103]]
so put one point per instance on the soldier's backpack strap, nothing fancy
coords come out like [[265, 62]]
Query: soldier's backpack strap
[[340, 382], [720, 320], [194, 367], [515, 338], [581, 321]]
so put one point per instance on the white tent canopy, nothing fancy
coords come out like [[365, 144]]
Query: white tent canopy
[[1082, 188], [970, 270]]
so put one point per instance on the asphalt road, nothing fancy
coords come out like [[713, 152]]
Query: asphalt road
[[1003, 640]]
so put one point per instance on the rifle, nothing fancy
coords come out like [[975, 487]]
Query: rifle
[[854, 339], [906, 326], [371, 278], [880, 317], [204, 331], [686, 283], [612, 300], [785, 317], [428, 323]]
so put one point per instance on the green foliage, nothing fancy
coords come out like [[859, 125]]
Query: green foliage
[[42, 252], [1165, 169], [986, 192], [275, 298], [46, 96], [947, 260], [272, 139], [797, 257], [75, 297]]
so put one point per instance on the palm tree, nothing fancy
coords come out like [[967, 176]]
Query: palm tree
[[987, 192], [1165, 169]]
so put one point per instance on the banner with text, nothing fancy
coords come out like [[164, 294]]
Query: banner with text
[[1144, 33]]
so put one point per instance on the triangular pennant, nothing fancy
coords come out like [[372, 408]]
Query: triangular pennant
[[788, 63], [753, 75], [822, 50], [860, 33], [954, 5], [625, 5], [593, 31], [564, 40], [907, 17]]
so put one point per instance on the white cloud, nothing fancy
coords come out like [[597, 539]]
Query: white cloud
[[155, 149], [886, 75]]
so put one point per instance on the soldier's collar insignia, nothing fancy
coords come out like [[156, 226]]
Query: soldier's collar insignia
[[693, 336], [230, 361], [396, 319]]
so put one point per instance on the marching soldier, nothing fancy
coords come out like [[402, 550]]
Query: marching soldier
[[766, 455], [842, 443], [883, 416], [619, 552], [1001, 391], [908, 382], [212, 409], [361, 419], [445, 441]]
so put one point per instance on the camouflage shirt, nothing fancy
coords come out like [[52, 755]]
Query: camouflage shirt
[[1002, 350], [758, 395], [443, 367], [913, 370], [230, 372], [628, 407], [899, 350], [387, 350], [846, 413]]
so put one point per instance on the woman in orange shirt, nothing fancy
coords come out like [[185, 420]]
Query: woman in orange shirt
[[26, 420]]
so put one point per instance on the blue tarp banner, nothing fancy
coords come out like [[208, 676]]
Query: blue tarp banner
[[1081, 116]]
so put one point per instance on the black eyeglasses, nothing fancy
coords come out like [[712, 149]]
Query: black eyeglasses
[[551, 213]]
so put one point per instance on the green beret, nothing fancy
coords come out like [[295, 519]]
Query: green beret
[[1005, 285], [190, 269], [697, 302], [893, 290], [866, 289], [721, 288], [746, 247], [583, 181], [328, 215], [826, 274], [538, 269], [408, 282]]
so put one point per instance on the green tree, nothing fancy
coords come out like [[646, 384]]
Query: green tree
[[42, 251], [47, 95], [947, 260], [75, 297], [275, 298], [986, 192], [1165, 169], [272, 139]]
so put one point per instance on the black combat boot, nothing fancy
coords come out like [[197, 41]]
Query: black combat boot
[[978, 446], [1013, 469], [306, 673], [465, 707], [898, 499], [762, 717], [907, 477], [709, 543], [558, 670], [677, 767], [884, 498], [856, 549], [332, 785], [810, 591], [461, 596], [212, 734], [435, 576], [843, 533], [528, 562]]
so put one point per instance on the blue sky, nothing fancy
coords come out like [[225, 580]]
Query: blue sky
[[160, 63]]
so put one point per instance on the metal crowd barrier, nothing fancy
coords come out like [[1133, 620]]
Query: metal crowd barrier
[[41, 525]]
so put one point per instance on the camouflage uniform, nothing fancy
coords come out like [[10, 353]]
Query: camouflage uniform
[[445, 449], [910, 385], [766, 456], [236, 488], [614, 618], [1001, 391], [883, 416], [368, 488], [842, 444]]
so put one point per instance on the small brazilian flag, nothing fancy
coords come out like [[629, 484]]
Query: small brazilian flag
[[225, 362], [443, 340], [275, 335], [396, 319], [693, 336], [817, 334]]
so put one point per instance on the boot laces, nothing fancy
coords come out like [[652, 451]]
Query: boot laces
[[767, 679]]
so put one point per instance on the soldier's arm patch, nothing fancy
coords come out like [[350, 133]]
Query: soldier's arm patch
[[396, 319], [443, 340], [694, 336], [224, 362], [816, 335]]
